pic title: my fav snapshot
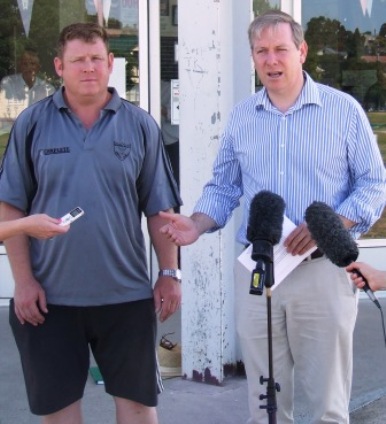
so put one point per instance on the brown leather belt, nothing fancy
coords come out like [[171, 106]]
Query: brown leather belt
[[314, 255]]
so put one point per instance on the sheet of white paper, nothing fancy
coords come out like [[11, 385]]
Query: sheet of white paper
[[284, 262]]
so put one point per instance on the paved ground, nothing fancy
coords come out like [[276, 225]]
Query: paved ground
[[186, 402]]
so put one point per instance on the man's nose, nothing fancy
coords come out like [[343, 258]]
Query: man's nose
[[271, 57], [88, 66]]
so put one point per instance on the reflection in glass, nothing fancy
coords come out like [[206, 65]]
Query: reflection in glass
[[169, 82], [20, 89], [347, 47], [23, 88], [36, 25], [260, 6], [120, 18]]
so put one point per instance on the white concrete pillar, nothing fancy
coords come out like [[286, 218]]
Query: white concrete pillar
[[215, 73]]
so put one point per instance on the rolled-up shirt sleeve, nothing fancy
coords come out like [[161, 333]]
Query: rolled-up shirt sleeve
[[221, 195], [366, 201]]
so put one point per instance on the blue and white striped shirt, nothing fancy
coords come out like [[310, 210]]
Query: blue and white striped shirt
[[322, 148]]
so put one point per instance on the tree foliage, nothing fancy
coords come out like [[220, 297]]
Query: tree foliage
[[10, 27], [334, 50], [261, 6]]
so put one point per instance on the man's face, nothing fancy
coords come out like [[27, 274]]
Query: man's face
[[85, 69], [278, 62], [29, 66]]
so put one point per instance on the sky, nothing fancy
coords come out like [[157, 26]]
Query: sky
[[367, 15]]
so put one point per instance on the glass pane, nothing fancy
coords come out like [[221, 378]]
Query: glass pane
[[347, 50], [29, 30], [169, 81], [260, 6], [347, 47]]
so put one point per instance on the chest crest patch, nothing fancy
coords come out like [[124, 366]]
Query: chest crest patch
[[121, 150]]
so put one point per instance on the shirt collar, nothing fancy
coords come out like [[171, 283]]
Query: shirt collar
[[113, 104], [309, 95], [37, 81]]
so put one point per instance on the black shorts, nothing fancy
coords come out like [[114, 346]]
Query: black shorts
[[55, 356]]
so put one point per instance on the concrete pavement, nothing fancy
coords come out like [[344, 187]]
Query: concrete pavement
[[189, 402]]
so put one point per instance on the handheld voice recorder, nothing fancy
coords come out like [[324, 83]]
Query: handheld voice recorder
[[72, 216]]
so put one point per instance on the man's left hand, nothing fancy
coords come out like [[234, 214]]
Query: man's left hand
[[167, 297]]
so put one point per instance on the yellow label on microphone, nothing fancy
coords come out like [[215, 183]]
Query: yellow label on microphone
[[256, 280]]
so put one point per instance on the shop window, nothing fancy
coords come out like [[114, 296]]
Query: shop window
[[347, 47], [169, 82], [29, 30], [347, 50]]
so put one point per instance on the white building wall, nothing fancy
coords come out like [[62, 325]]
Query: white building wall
[[215, 73]]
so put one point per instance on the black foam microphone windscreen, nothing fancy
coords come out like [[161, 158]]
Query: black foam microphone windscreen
[[331, 236], [266, 216], [265, 224]]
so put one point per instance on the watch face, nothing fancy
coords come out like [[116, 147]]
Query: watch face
[[175, 273]]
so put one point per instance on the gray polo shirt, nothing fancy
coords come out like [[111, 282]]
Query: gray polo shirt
[[116, 171]]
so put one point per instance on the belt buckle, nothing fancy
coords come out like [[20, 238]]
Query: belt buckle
[[314, 255]]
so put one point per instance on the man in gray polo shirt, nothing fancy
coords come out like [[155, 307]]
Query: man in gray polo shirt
[[85, 146]]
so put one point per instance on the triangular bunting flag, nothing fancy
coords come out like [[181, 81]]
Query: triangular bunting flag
[[25, 8]]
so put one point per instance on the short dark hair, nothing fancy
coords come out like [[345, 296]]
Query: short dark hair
[[87, 32]]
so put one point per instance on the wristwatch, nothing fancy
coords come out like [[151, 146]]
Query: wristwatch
[[174, 273]]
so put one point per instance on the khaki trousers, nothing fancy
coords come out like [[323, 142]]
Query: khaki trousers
[[313, 317]]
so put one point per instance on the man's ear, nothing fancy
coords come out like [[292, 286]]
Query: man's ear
[[303, 52], [58, 66], [110, 61]]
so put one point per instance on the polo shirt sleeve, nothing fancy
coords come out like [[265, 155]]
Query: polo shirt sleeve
[[157, 188], [17, 180]]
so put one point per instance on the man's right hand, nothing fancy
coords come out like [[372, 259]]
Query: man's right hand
[[30, 303], [181, 230]]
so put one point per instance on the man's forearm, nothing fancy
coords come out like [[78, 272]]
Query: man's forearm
[[166, 251]]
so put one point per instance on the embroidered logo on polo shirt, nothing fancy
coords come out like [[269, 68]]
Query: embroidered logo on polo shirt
[[55, 151], [122, 150]]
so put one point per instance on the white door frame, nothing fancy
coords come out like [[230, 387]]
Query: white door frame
[[149, 84]]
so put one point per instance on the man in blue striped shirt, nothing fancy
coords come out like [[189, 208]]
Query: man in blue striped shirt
[[305, 142]]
